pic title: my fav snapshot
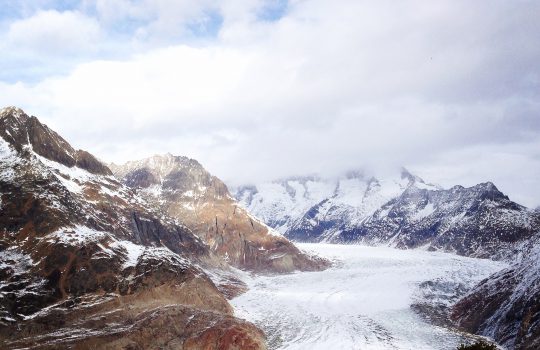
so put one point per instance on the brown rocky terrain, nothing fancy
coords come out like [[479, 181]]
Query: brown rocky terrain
[[87, 263], [187, 192]]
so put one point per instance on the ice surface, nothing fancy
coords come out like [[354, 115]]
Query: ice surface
[[362, 303]]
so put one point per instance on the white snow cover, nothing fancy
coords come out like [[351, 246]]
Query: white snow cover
[[362, 303], [134, 251], [8, 158], [424, 212], [76, 236], [287, 200], [73, 173], [15, 260], [355, 196]]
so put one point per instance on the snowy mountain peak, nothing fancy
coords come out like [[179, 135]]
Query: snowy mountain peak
[[487, 186], [404, 211], [155, 168], [12, 111]]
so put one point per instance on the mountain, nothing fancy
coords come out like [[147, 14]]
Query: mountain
[[86, 262], [506, 306], [404, 212], [346, 200], [183, 189]]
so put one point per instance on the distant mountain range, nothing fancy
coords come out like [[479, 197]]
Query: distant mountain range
[[405, 212]]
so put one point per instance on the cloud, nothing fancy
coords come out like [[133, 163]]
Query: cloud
[[448, 89], [55, 33]]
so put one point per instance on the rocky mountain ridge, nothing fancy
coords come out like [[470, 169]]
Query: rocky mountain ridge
[[87, 263], [184, 190]]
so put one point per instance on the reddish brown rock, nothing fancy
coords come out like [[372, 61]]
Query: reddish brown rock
[[86, 263], [187, 192]]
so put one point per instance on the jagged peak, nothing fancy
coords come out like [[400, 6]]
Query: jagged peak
[[489, 186], [12, 111], [26, 133], [490, 190], [159, 164], [417, 181], [406, 174], [484, 190], [13, 117]]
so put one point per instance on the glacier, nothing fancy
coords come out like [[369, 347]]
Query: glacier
[[364, 301]]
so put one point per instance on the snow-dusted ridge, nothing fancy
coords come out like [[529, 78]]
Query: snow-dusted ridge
[[404, 211]]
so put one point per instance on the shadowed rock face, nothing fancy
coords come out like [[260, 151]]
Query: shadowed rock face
[[506, 306], [87, 263], [186, 191]]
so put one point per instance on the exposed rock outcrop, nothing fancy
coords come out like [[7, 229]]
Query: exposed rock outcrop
[[87, 263], [187, 192], [24, 132]]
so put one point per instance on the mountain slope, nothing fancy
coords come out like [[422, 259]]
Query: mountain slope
[[405, 212], [506, 306], [478, 221], [183, 189], [86, 262]]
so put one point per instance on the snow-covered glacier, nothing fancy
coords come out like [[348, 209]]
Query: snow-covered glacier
[[363, 302]]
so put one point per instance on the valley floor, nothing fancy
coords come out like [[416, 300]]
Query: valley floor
[[364, 301]]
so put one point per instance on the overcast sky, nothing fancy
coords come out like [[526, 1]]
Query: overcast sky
[[257, 90]]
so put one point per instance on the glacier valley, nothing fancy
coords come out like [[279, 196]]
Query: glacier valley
[[367, 300]]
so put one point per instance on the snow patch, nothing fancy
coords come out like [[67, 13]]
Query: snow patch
[[134, 251], [424, 212], [76, 236]]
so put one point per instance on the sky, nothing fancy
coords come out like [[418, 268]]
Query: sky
[[265, 89]]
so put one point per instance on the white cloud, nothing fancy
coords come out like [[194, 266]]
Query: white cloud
[[55, 33], [327, 88]]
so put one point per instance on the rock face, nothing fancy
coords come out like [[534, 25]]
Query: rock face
[[87, 263], [183, 189], [506, 306], [21, 131], [406, 212]]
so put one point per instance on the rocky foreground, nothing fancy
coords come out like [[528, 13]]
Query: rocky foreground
[[88, 262]]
